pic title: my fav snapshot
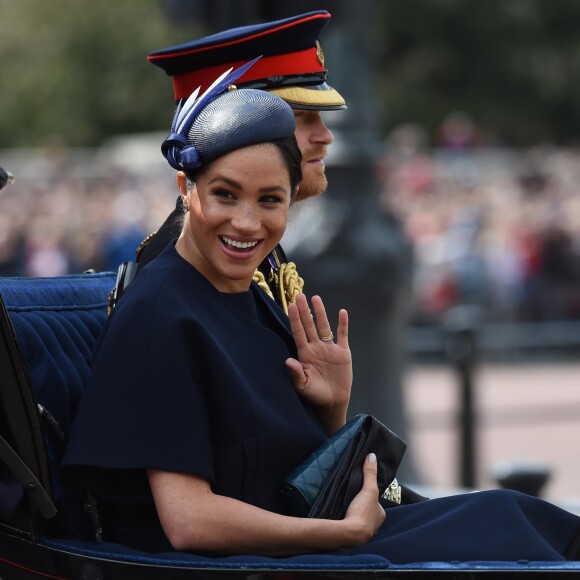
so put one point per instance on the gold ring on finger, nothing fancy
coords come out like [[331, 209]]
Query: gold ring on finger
[[327, 338]]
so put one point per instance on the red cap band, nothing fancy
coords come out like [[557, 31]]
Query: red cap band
[[295, 63]]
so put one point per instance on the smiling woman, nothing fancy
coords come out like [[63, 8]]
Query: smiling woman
[[236, 213], [230, 383], [204, 395]]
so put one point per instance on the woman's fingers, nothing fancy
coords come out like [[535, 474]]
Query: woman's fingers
[[323, 329], [297, 372], [323, 326], [306, 318], [301, 322], [342, 331], [296, 326], [370, 471], [308, 328], [365, 507]]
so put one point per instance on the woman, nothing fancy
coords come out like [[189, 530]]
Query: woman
[[204, 395]]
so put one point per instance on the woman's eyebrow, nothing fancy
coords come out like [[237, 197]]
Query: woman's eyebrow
[[227, 180], [234, 183], [272, 188]]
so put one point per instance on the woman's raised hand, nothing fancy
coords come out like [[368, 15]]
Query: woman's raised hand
[[322, 373]]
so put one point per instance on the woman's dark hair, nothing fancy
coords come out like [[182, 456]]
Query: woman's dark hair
[[288, 147], [291, 154]]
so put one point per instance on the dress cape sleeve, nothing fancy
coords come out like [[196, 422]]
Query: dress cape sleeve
[[144, 405]]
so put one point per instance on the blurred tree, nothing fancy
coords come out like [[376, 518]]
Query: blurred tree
[[75, 71], [513, 65]]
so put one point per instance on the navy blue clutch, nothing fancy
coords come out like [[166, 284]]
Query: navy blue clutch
[[326, 482]]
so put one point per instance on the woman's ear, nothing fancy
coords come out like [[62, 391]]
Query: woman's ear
[[181, 179]]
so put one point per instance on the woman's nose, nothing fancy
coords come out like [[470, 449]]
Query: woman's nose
[[246, 220]]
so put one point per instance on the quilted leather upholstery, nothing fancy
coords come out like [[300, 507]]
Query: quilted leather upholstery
[[57, 322]]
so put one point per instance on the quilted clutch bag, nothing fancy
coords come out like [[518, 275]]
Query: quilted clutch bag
[[326, 482]]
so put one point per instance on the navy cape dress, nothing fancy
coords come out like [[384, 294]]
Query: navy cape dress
[[189, 379]]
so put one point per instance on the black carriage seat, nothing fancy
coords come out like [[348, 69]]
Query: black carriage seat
[[48, 330]]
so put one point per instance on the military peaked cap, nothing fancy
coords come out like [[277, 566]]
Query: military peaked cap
[[292, 64]]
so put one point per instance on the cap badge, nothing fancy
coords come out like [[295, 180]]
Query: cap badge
[[319, 53]]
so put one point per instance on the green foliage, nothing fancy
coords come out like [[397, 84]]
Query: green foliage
[[513, 65], [75, 71]]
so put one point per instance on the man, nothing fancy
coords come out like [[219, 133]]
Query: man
[[292, 66]]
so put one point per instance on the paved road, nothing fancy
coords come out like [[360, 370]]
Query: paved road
[[526, 412]]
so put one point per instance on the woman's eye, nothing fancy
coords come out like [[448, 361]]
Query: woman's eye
[[223, 193], [271, 199]]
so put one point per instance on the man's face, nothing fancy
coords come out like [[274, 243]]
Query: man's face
[[313, 138]]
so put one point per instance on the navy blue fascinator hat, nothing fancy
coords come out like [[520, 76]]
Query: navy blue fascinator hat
[[220, 120]]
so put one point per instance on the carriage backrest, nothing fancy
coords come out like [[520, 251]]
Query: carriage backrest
[[50, 328]]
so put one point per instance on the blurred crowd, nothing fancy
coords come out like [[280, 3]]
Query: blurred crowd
[[491, 226], [67, 213]]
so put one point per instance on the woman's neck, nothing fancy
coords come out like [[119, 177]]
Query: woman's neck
[[189, 252]]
